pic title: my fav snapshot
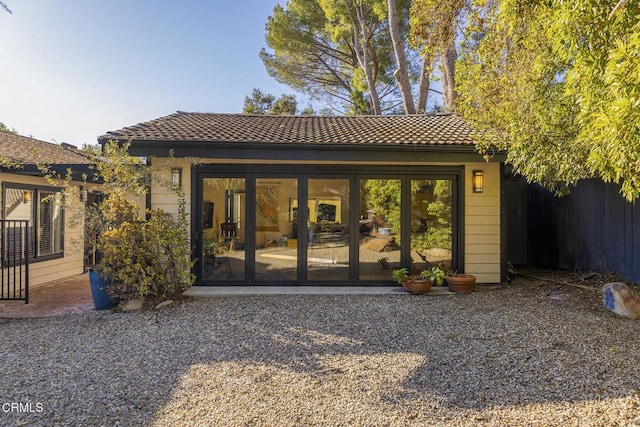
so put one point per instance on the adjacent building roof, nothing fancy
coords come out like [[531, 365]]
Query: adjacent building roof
[[438, 129], [28, 151]]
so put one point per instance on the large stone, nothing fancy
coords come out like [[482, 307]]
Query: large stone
[[133, 305], [164, 304], [620, 299]]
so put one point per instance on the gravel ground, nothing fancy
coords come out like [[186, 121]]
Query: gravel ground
[[524, 354]]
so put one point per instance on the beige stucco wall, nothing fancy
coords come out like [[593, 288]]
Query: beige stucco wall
[[482, 210]]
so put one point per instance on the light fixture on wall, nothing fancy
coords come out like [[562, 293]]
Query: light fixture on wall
[[476, 181], [176, 177], [26, 196], [83, 194]]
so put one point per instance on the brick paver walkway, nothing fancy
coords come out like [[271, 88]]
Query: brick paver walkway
[[58, 298]]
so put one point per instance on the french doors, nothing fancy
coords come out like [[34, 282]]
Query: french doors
[[324, 228]]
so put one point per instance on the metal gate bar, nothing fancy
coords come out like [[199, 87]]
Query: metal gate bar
[[15, 244]]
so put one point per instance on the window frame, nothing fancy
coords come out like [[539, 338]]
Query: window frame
[[35, 214]]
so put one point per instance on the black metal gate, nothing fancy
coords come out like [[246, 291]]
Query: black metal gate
[[15, 244]]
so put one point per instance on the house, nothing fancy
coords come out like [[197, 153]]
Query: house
[[313, 200], [38, 226]]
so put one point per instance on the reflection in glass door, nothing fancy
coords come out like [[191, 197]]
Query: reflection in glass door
[[379, 227], [431, 223], [223, 229], [276, 211], [328, 229]]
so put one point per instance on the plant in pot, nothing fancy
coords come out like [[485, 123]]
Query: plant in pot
[[435, 273], [461, 283], [415, 284], [140, 258], [105, 220]]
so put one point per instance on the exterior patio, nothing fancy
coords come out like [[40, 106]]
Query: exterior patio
[[71, 295]]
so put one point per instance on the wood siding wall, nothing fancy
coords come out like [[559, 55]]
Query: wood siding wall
[[482, 212], [72, 262], [482, 224], [161, 195], [593, 228]]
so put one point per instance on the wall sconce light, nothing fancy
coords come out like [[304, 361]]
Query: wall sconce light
[[84, 194], [176, 177], [26, 196], [477, 181]]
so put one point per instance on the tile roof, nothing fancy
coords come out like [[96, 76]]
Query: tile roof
[[439, 129], [28, 151]]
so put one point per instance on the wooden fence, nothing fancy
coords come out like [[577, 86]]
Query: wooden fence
[[594, 228]]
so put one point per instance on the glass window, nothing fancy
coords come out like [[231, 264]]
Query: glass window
[[43, 209], [49, 223]]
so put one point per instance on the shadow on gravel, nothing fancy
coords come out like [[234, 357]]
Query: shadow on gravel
[[494, 348]]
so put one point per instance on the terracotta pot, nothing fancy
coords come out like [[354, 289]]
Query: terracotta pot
[[461, 283], [417, 285]]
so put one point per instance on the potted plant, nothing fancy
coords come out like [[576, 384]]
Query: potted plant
[[415, 284], [461, 283], [95, 224], [139, 258], [435, 273], [102, 300]]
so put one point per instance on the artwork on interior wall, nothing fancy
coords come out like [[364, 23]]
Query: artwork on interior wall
[[319, 209], [267, 206]]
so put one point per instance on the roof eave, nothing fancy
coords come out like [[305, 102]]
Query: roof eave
[[308, 152]]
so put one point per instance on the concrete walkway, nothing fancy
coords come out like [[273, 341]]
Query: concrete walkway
[[73, 295], [223, 291]]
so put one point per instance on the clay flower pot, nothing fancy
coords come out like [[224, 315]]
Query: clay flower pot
[[461, 283], [417, 285]]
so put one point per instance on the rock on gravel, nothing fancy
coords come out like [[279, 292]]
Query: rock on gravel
[[500, 356]]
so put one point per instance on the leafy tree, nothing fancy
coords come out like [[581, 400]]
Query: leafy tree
[[265, 103], [286, 104], [398, 24], [558, 85], [4, 128], [304, 56], [359, 22], [93, 149], [434, 29], [340, 52]]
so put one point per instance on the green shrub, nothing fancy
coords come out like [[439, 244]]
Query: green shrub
[[144, 258]]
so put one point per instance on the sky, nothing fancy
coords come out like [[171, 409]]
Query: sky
[[71, 70]]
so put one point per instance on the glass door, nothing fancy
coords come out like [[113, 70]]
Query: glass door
[[431, 223], [328, 229], [276, 226], [223, 229], [379, 228], [325, 228]]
